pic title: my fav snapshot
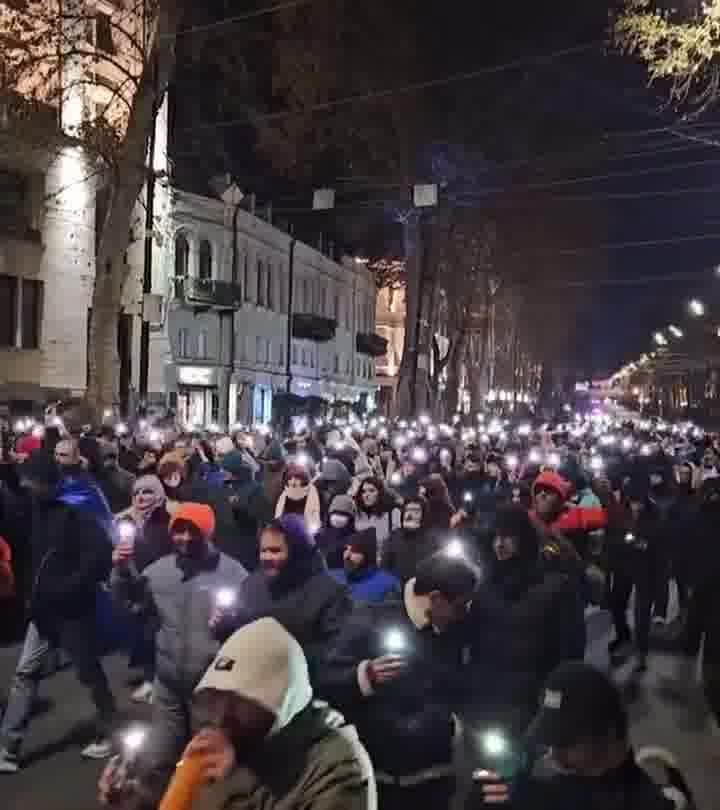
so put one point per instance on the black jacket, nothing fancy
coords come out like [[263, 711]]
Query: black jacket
[[71, 556], [407, 725], [312, 609], [625, 788], [523, 623], [251, 511]]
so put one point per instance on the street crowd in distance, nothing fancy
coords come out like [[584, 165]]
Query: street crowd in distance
[[352, 615]]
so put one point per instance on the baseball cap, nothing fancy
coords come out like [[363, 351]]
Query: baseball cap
[[579, 703]]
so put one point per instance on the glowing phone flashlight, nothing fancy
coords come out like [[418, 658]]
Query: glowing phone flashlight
[[225, 598], [395, 641]]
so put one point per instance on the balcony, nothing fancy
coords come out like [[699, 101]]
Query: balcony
[[209, 293], [371, 344], [313, 327]]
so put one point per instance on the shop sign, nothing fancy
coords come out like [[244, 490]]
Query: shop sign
[[197, 375]]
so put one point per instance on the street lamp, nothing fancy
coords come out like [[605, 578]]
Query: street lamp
[[660, 339], [676, 331], [697, 308]]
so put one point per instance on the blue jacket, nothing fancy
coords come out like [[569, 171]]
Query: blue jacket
[[373, 585]]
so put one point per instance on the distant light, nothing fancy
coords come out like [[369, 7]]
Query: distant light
[[524, 430], [553, 459], [596, 463], [468, 497], [535, 457], [302, 459], [155, 436], [696, 307], [121, 429], [660, 339], [512, 461], [676, 331]]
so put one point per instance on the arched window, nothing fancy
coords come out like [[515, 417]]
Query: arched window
[[205, 261]]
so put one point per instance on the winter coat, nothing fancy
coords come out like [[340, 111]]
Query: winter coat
[[321, 770], [626, 788], [117, 486], [308, 507], [523, 624], [71, 556], [407, 725], [367, 585], [331, 542], [405, 550], [181, 605], [312, 609]]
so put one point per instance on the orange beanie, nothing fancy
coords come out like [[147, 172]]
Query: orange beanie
[[199, 514]]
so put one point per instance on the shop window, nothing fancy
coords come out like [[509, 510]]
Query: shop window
[[205, 261]]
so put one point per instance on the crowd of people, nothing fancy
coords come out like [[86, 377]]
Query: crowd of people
[[364, 614]]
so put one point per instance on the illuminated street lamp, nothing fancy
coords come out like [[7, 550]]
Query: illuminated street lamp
[[660, 339], [675, 331], [697, 308]]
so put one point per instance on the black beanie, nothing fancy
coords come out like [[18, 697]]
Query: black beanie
[[40, 466]]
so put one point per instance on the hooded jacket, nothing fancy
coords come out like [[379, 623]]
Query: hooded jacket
[[322, 768], [369, 583], [304, 598], [525, 621], [406, 548], [383, 517]]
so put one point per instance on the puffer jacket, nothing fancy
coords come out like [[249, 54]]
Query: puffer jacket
[[181, 605]]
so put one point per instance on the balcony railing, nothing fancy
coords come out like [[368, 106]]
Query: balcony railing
[[209, 293], [371, 344], [313, 327]]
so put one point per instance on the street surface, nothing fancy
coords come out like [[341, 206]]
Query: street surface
[[56, 778]]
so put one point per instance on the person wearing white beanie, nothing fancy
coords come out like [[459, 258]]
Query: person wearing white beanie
[[268, 745]]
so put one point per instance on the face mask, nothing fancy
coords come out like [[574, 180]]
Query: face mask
[[338, 520]]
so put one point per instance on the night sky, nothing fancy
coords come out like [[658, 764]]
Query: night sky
[[579, 157]]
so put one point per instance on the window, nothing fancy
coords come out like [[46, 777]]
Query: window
[[336, 365], [241, 348], [215, 406], [303, 357], [323, 299], [336, 307], [205, 261], [312, 358], [30, 309], [13, 191], [281, 354], [269, 292], [8, 310], [182, 258], [183, 343], [347, 366], [246, 275], [202, 343], [294, 354], [20, 312], [357, 368], [103, 33], [260, 300], [306, 296]]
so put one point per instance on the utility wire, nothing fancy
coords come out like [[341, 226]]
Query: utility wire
[[249, 15], [415, 87]]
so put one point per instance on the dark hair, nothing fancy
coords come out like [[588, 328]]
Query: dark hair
[[454, 577]]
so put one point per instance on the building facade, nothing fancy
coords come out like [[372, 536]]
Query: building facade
[[220, 352]]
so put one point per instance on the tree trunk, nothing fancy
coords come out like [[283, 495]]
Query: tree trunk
[[407, 374], [111, 269]]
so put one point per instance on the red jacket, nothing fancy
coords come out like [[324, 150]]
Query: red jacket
[[7, 578], [571, 518]]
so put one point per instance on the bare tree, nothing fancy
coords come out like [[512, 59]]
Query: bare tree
[[105, 75]]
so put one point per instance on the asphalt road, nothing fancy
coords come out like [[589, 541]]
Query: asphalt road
[[56, 778]]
